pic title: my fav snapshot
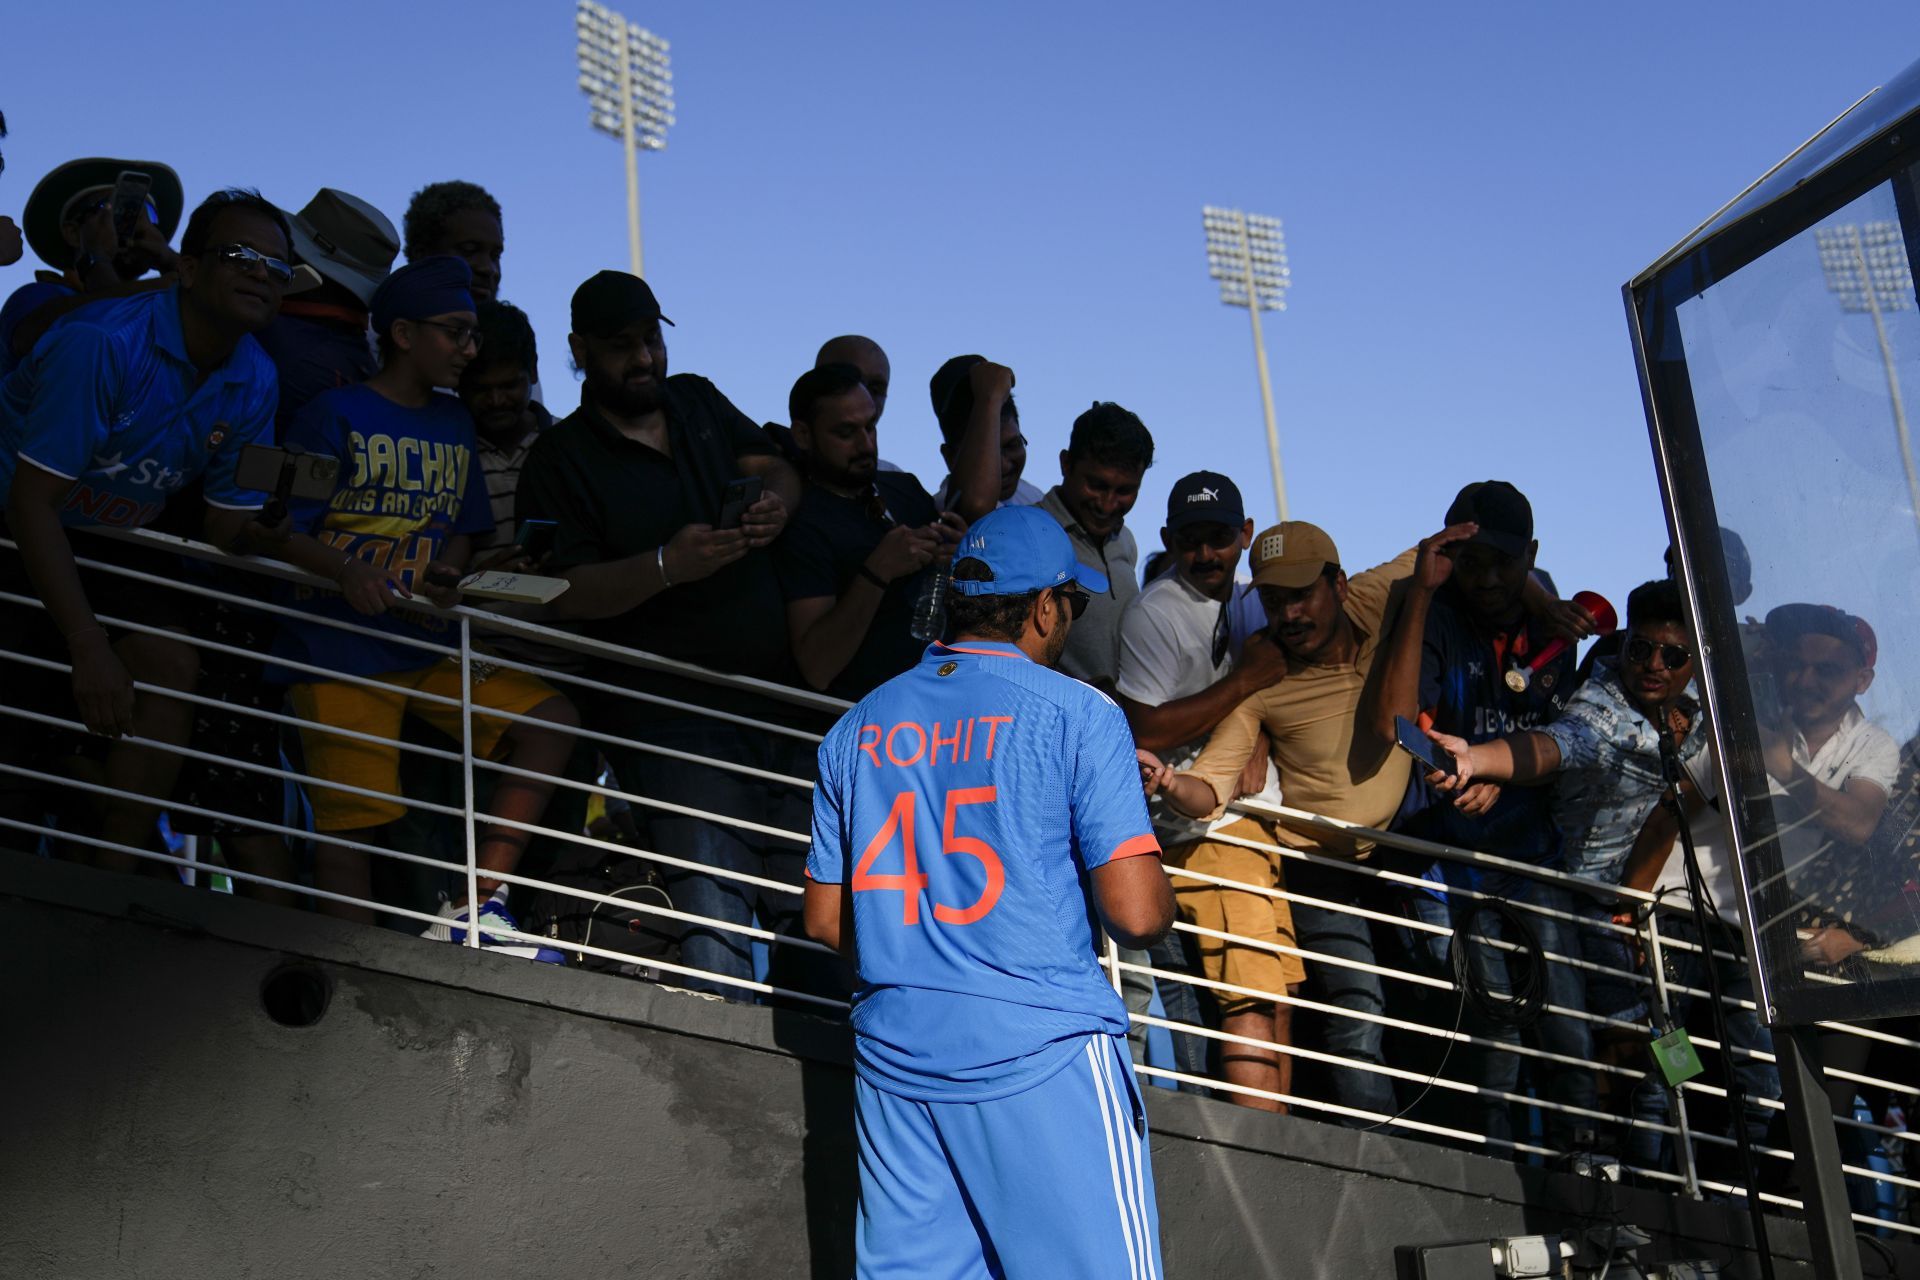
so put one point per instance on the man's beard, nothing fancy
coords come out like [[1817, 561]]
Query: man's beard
[[629, 402]]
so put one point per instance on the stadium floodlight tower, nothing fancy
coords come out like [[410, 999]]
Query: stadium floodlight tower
[[1247, 254], [629, 88], [1866, 269]]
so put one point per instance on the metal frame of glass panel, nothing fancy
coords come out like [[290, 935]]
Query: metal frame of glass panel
[[1877, 142]]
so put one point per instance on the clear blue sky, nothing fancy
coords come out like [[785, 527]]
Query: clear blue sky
[[1465, 189]]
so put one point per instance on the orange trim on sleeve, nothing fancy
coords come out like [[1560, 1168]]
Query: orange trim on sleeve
[[1135, 847]]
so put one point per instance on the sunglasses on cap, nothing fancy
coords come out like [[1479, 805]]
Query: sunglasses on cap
[[1672, 656], [246, 259], [1076, 597]]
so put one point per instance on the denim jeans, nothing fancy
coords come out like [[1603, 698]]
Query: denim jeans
[[1497, 1068], [729, 848], [1179, 1001], [1348, 937], [1746, 1034]]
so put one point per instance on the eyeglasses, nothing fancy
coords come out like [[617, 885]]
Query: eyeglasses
[[877, 510], [1076, 597], [461, 334], [1672, 656], [246, 259]]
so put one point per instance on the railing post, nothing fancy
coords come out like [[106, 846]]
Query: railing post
[[466, 783], [1683, 1149]]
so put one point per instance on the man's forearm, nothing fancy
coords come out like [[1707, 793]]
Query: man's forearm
[[777, 474], [1841, 813], [609, 589], [1188, 719], [48, 555], [976, 463], [824, 647], [1191, 795], [1523, 757], [1395, 690]]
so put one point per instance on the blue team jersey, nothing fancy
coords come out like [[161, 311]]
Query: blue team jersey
[[410, 479], [968, 801], [109, 400]]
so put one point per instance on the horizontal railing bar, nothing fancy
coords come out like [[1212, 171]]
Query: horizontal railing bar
[[1397, 1073], [632, 904], [285, 775], [489, 621], [1380, 1019], [217, 704]]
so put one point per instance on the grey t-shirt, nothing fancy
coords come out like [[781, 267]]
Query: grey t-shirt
[[1093, 646]]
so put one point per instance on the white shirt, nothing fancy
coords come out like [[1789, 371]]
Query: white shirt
[[1024, 495], [1166, 653], [1859, 748]]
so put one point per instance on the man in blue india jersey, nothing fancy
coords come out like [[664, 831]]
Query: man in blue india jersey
[[974, 816]]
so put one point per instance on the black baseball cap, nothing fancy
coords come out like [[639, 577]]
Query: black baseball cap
[[1503, 513], [610, 301], [1204, 497]]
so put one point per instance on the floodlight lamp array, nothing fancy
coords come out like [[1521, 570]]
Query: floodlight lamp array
[[606, 41], [1247, 250], [1888, 273]]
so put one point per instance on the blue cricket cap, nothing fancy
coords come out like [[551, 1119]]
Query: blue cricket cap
[[1027, 550]]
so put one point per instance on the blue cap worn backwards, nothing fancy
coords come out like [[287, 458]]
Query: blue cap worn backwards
[[1027, 550], [435, 286]]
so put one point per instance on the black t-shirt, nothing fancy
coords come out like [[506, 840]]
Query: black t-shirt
[[612, 497], [821, 552]]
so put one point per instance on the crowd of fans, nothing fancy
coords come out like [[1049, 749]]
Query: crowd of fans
[[137, 375]]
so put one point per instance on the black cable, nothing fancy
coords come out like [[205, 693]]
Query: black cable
[[1521, 1007], [1886, 1254], [1459, 1013], [1525, 999], [1672, 769]]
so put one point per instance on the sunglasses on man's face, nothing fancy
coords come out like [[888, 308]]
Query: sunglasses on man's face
[[1640, 652], [245, 258], [1077, 599]]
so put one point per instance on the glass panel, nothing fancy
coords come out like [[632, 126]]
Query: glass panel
[[1803, 367]]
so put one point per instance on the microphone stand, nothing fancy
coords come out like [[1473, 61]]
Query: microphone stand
[[1671, 772]]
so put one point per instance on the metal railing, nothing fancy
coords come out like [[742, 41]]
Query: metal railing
[[471, 630]]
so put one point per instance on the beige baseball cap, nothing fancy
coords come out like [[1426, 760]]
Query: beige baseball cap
[[1292, 554]]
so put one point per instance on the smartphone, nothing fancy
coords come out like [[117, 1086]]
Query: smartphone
[[287, 473], [129, 203], [1413, 740], [740, 495], [535, 537]]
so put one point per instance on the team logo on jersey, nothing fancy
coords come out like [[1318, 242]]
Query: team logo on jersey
[[1548, 680], [217, 436], [948, 668]]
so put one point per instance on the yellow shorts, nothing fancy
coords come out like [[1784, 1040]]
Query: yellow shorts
[[1249, 915], [376, 765]]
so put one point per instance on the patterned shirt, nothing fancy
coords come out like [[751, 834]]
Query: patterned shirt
[[502, 465], [1610, 776]]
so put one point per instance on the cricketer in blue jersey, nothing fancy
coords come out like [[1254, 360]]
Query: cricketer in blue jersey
[[973, 817]]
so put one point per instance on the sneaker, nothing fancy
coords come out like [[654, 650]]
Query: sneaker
[[452, 917]]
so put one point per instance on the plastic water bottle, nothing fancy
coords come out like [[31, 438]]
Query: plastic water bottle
[[930, 610]]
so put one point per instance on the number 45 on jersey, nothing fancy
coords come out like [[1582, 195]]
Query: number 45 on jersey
[[912, 880]]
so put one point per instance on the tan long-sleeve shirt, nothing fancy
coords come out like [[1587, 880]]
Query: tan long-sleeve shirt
[[1309, 716]]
